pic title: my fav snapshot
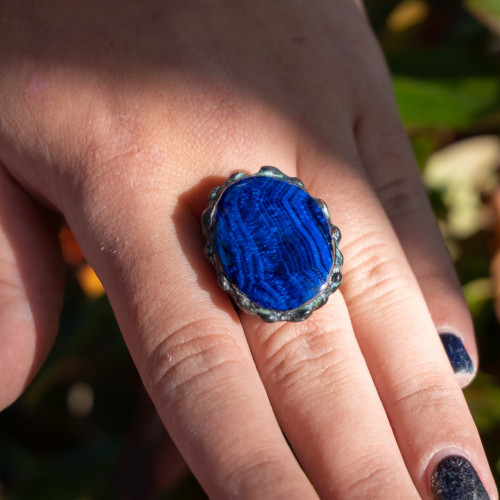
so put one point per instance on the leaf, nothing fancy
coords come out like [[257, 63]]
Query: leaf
[[478, 292], [461, 172], [406, 14], [487, 12], [483, 397], [456, 103]]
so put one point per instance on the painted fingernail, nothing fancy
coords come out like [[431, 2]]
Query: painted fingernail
[[459, 359], [455, 479]]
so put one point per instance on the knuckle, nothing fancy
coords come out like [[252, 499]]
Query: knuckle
[[379, 274], [118, 157], [373, 476], [121, 188], [429, 394], [402, 195], [250, 473], [190, 360], [301, 352], [121, 170], [441, 280]]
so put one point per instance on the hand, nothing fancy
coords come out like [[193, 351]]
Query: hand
[[121, 116]]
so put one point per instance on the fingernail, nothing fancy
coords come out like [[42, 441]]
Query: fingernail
[[459, 359], [455, 479]]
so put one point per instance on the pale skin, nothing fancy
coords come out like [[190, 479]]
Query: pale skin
[[120, 117]]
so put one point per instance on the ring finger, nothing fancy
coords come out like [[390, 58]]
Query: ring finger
[[327, 405]]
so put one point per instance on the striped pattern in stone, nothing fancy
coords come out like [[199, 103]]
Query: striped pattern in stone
[[273, 241]]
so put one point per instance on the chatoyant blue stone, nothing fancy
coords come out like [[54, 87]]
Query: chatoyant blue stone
[[273, 241]]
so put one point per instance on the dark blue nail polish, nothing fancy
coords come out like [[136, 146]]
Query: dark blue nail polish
[[455, 479], [459, 359]]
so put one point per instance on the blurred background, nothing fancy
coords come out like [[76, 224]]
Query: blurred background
[[85, 428]]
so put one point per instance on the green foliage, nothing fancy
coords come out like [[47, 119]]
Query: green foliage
[[487, 11], [454, 103]]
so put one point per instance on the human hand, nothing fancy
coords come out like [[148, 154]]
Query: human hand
[[122, 117]]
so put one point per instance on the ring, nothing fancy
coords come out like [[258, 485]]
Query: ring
[[273, 246]]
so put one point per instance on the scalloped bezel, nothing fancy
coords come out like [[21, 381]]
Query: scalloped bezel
[[242, 301]]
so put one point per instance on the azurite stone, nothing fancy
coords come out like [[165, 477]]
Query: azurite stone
[[273, 241]]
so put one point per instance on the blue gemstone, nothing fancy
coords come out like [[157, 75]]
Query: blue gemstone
[[273, 241]]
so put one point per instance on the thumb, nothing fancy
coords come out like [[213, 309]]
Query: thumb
[[31, 284]]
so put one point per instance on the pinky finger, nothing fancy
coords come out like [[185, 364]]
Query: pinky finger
[[391, 167], [31, 284]]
